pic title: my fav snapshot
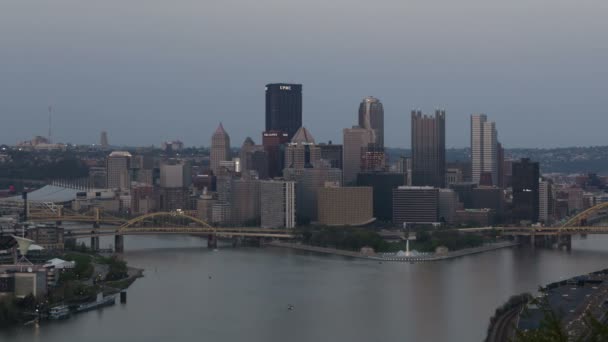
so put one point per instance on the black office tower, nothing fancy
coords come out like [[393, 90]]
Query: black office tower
[[284, 107], [428, 149], [525, 190]]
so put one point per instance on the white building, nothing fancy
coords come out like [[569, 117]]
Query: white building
[[117, 170], [484, 148], [278, 204]]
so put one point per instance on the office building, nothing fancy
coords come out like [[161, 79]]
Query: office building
[[245, 153], [284, 108], [545, 201], [170, 199], [332, 154], [355, 140], [415, 204], [302, 152], [274, 143], [220, 148], [501, 166], [453, 175], [245, 202], [345, 206], [428, 149], [278, 204], [308, 185], [488, 197], [448, 204], [484, 149], [204, 206], [371, 116], [117, 170], [175, 174], [525, 190], [383, 184]]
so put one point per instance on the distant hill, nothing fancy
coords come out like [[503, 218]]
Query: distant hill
[[563, 160]]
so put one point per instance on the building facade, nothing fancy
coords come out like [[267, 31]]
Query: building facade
[[371, 116], [355, 140], [118, 176], [345, 206], [284, 107], [274, 143], [415, 204], [220, 148], [383, 184], [484, 149], [428, 149], [278, 204], [525, 190]]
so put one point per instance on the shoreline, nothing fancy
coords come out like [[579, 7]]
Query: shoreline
[[380, 257]]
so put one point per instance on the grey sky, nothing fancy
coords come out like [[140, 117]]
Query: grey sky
[[147, 70]]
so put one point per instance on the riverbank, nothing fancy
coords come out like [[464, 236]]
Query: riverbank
[[394, 257], [573, 307]]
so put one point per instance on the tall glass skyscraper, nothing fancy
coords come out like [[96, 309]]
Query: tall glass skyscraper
[[371, 116], [428, 149], [284, 108]]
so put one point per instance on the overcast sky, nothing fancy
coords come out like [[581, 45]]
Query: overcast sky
[[152, 70]]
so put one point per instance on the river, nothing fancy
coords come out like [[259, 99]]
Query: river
[[190, 293]]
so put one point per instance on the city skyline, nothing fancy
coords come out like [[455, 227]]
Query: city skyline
[[177, 80]]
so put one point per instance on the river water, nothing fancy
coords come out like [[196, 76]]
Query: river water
[[190, 293]]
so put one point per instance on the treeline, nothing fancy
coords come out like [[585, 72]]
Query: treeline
[[351, 239], [28, 165], [427, 241]]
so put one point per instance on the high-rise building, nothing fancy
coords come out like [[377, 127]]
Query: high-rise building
[[220, 148], [204, 206], [278, 204], [332, 154], [274, 144], [484, 148], [302, 152], [175, 174], [371, 116], [356, 139], [245, 153], [345, 206], [545, 201], [525, 190], [448, 203], [415, 204], [428, 149], [103, 141], [284, 107], [309, 183], [245, 202], [117, 170], [501, 166], [464, 191], [383, 184]]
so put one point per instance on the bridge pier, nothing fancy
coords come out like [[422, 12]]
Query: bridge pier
[[119, 243], [211, 241], [94, 243], [565, 241]]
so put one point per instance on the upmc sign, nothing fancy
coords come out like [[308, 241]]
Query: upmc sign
[[285, 87]]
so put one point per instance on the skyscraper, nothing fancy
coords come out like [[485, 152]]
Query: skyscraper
[[428, 149], [284, 107], [356, 140], [525, 190], [302, 152], [371, 116], [484, 148], [274, 145], [117, 170], [278, 204], [220, 148]]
